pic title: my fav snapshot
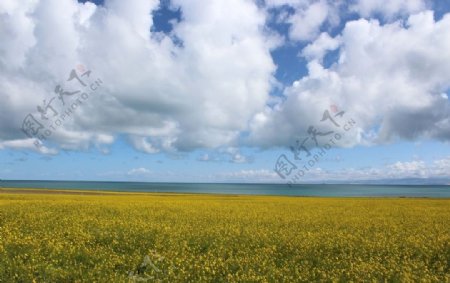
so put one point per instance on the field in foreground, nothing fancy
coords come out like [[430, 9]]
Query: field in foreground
[[206, 238]]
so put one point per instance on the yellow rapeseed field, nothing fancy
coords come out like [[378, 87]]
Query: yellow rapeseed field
[[207, 238]]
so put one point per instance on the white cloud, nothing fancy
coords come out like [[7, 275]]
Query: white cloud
[[389, 9], [228, 154], [102, 142], [236, 156], [163, 95], [104, 139], [441, 167], [29, 144], [323, 44], [436, 169], [141, 171], [134, 14], [212, 84], [309, 16], [14, 21], [141, 143], [408, 169], [388, 78], [248, 176], [306, 23]]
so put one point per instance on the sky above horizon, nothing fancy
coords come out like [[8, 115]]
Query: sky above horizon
[[224, 91]]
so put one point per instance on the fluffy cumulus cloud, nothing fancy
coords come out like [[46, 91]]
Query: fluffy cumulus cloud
[[317, 49], [389, 78], [197, 86], [306, 22], [207, 82], [308, 16], [388, 9]]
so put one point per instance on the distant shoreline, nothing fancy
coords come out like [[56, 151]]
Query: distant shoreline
[[39, 191], [57, 191]]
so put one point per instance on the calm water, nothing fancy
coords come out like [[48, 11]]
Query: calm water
[[247, 189]]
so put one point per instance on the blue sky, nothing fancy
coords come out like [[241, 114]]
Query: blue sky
[[218, 91]]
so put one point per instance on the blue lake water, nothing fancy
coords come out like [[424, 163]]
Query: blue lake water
[[340, 190]]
